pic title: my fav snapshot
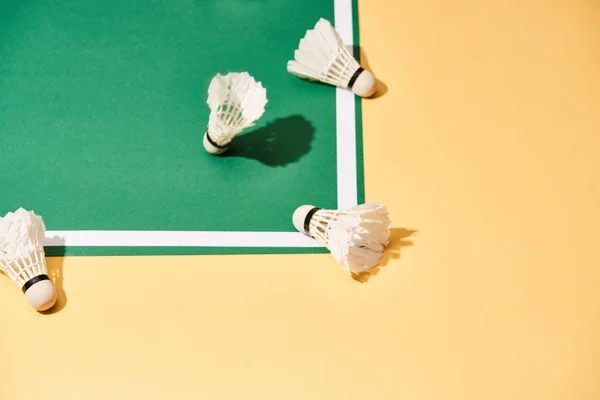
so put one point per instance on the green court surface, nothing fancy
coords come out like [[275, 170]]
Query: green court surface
[[103, 110]]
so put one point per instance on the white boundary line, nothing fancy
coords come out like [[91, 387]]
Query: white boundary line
[[345, 118], [347, 188], [178, 239]]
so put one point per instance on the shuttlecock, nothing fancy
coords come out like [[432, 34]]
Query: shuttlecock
[[22, 257], [322, 56], [356, 237], [236, 101]]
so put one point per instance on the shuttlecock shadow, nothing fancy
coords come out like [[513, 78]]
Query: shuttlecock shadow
[[54, 260], [381, 88], [281, 142], [398, 240]]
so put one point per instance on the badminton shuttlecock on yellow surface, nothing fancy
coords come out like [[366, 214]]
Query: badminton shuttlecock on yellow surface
[[356, 237], [22, 257]]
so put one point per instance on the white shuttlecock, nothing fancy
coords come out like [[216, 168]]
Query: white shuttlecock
[[356, 237], [236, 101], [322, 56], [22, 257]]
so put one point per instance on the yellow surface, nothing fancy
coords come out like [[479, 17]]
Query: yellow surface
[[486, 142]]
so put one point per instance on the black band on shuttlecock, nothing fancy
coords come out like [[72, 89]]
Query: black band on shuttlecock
[[355, 77], [309, 216], [218, 146], [34, 280]]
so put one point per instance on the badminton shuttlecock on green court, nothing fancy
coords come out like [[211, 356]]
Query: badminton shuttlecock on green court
[[322, 56], [356, 237], [236, 101], [22, 257]]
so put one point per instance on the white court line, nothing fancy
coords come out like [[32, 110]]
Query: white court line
[[345, 118], [347, 188], [178, 239]]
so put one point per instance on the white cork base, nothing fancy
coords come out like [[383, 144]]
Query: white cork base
[[209, 147], [365, 84]]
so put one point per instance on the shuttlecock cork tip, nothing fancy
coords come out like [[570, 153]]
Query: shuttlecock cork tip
[[301, 217], [365, 83], [41, 295], [212, 147]]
